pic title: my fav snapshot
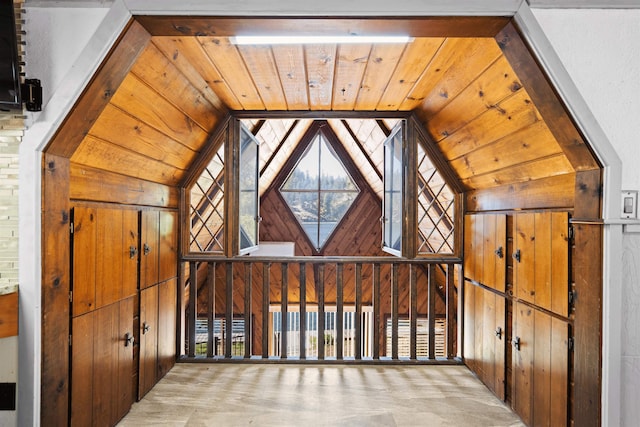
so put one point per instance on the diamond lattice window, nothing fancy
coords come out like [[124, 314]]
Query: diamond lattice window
[[436, 208], [319, 190], [207, 207]]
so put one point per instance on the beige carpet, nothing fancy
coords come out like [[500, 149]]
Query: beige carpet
[[319, 395]]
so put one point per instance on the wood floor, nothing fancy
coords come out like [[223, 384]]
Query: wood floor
[[319, 395]]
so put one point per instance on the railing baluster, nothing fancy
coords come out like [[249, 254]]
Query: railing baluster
[[228, 320], [394, 311], [376, 311], [358, 316], [284, 297], [266, 271], [413, 313], [193, 307], [248, 299], [431, 300], [339, 311], [320, 296], [303, 310], [451, 310], [211, 308]]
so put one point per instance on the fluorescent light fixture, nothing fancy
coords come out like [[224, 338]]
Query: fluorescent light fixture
[[269, 40]]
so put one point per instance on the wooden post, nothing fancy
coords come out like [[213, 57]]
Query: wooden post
[[266, 271], [248, 339], [193, 306], [451, 311], [228, 319], [211, 310], [339, 311], [358, 316], [394, 311], [431, 298], [284, 310], [413, 313], [320, 294], [376, 311], [303, 311]]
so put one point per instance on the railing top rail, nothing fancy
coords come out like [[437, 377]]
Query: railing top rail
[[322, 259]]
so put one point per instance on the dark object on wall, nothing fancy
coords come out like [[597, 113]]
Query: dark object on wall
[[7, 396], [10, 97], [32, 94]]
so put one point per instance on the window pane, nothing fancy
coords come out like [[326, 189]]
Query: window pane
[[306, 173], [333, 206], [319, 190], [248, 207], [304, 206], [393, 192], [333, 174]]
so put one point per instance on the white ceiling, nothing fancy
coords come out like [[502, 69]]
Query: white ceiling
[[561, 4]]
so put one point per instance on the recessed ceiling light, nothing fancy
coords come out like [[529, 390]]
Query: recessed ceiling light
[[269, 40]]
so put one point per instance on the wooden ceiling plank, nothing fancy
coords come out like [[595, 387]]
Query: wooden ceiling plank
[[497, 83], [433, 26], [99, 154], [159, 73], [512, 114], [455, 66], [142, 102], [351, 64], [185, 53], [412, 64], [88, 183], [552, 192], [119, 128], [528, 144], [232, 69], [382, 63], [320, 63], [553, 165], [96, 96], [293, 75], [261, 64], [545, 98]]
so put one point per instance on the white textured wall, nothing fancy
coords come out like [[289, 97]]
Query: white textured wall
[[601, 51], [56, 36]]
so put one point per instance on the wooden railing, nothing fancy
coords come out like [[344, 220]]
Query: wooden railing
[[320, 308]]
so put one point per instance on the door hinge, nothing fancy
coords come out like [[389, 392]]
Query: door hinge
[[70, 340], [572, 233], [571, 343], [71, 227], [70, 296], [573, 296]]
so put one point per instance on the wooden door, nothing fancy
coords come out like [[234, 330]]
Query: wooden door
[[168, 245], [109, 257], [167, 304], [541, 367], [130, 252], [494, 247], [148, 340], [84, 259], [82, 370], [541, 260], [124, 396], [149, 248], [493, 342], [485, 249], [522, 361]]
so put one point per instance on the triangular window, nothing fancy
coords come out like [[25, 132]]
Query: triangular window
[[319, 190]]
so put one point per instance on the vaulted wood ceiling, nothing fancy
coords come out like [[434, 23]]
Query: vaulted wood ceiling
[[150, 110]]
